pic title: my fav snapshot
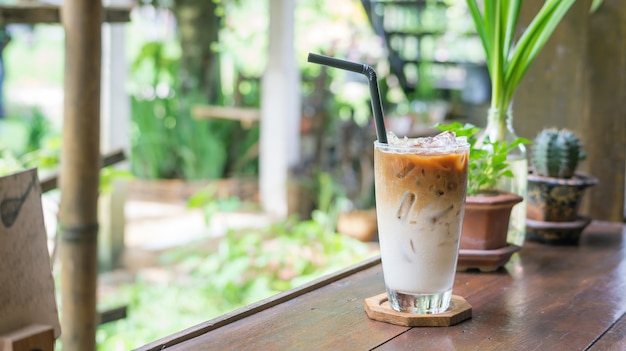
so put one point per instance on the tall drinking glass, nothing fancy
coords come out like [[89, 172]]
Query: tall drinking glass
[[420, 200]]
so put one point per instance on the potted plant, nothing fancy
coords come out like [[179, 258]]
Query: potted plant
[[487, 209], [508, 60], [555, 188]]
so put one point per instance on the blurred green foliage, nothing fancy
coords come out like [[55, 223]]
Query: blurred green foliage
[[198, 283], [167, 142], [247, 266], [28, 141]]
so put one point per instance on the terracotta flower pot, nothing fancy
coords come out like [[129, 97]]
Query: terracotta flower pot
[[486, 220], [359, 224], [556, 199]]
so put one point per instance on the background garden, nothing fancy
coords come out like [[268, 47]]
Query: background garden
[[221, 62]]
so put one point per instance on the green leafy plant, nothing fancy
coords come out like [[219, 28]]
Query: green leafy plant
[[487, 164], [507, 60], [556, 153]]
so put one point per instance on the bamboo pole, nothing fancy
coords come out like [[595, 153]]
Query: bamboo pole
[[80, 164]]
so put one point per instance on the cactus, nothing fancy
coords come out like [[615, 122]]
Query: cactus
[[556, 153]]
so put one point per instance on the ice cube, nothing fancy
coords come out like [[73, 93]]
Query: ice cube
[[392, 138], [445, 138], [441, 214], [405, 170], [442, 142], [408, 199]]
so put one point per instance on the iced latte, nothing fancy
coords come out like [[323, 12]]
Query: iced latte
[[420, 199]]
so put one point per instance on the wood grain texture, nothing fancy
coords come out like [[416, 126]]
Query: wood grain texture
[[546, 297], [614, 339], [331, 318], [560, 298], [256, 308], [578, 81], [35, 12], [34, 337], [604, 125]]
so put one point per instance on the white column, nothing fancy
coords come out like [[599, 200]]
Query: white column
[[114, 135], [115, 102], [280, 110]]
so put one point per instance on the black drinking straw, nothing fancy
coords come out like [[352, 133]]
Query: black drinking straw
[[368, 71]]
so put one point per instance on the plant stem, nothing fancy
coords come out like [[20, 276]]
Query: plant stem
[[508, 62], [497, 123]]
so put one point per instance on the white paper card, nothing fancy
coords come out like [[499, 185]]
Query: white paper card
[[26, 284]]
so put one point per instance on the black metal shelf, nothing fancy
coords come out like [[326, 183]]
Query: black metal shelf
[[405, 31]]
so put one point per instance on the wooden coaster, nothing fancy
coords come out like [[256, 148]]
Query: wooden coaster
[[378, 308]]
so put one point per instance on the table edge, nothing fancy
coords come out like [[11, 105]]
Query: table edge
[[257, 307]]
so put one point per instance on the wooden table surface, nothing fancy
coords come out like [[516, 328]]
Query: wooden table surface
[[546, 298]]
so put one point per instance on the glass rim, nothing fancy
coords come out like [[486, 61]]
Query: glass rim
[[461, 146]]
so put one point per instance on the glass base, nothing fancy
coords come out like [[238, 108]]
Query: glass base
[[419, 303]]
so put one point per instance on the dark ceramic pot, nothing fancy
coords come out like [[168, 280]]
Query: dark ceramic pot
[[486, 220], [556, 199], [556, 233]]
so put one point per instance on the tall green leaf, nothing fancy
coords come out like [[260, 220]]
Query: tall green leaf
[[507, 60]]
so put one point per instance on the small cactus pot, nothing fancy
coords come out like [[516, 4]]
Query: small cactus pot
[[556, 153], [556, 199]]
